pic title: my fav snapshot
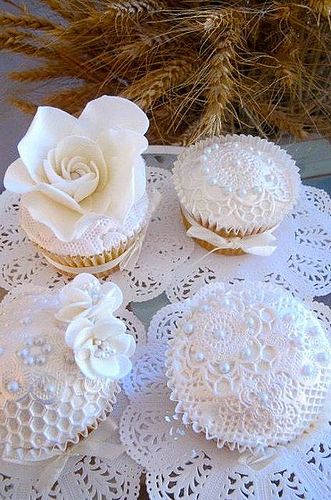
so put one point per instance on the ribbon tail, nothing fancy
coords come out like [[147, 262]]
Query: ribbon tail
[[262, 251], [52, 472], [204, 234]]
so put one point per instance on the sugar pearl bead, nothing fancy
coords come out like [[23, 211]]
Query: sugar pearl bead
[[225, 368], [13, 386], [264, 397], [207, 151], [199, 356], [246, 352], [242, 192], [219, 333], [205, 169], [307, 370], [212, 181], [250, 321], [215, 147], [228, 189], [203, 158], [188, 328]]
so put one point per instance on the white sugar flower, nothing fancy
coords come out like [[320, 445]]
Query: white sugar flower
[[72, 170], [85, 296], [102, 349]]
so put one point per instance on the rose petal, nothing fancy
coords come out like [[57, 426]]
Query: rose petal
[[65, 223], [17, 178], [59, 197], [48, 127], [127, 143], [110, 112], [75, 329]]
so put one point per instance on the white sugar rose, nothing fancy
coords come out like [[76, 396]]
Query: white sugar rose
[[85, 296], [72, 170], [102, 349]]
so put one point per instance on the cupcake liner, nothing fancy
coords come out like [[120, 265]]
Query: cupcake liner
[[215, 222], [224, 234]]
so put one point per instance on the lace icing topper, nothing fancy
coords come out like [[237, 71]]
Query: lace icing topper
[[101, 346], [85, 296], [248, 365], [237, 182], [181, 463], [73, 170]]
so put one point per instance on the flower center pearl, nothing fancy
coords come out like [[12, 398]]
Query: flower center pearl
[[103, 349]]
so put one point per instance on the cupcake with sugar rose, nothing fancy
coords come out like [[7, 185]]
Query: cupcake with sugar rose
[[234, 191], [249, 366], [83, 184], [62, 356]]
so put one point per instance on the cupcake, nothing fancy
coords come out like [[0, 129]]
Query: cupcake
[[234, 191], [62, 354], [249, 365], [83, 185]]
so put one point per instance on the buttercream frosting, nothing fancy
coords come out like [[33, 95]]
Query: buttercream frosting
[[62, 354], [249, 365], [237, 183]]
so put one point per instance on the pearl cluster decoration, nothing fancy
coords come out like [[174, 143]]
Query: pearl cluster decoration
[[46, 402], [254, 356], [35, 351]]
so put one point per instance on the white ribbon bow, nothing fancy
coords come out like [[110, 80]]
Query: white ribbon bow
[[97, 444], [127, 260], [259, 244]]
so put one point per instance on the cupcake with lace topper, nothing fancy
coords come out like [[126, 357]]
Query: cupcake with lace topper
[[249, 366], [83, 185], [62, 356], [234, 191]]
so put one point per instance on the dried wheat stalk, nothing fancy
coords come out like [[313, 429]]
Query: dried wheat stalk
[[198, 68]]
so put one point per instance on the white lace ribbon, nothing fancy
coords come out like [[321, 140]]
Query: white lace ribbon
[[258, 244], [127, 260], [97, 444]]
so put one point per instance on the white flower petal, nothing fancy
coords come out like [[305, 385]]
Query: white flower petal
[[17, 178], [68, 312], [113, 294], [125, 365], [84, 365], [139, 178], [66, 224], [74, 331], [109, 367], [109, 328], [124, 344], [59, 197], [48, 127], [112, 112], [85, 280]]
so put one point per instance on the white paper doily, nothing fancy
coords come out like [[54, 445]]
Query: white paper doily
[[182, 464], [83, 476], [165, 248], [301, 262]]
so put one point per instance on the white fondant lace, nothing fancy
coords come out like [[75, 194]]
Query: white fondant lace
[[183, 464], [171, 261], [82, 477], [166, 247]]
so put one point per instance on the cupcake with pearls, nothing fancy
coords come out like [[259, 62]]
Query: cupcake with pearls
[[249, 365], [234, 191], [62, 355]]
